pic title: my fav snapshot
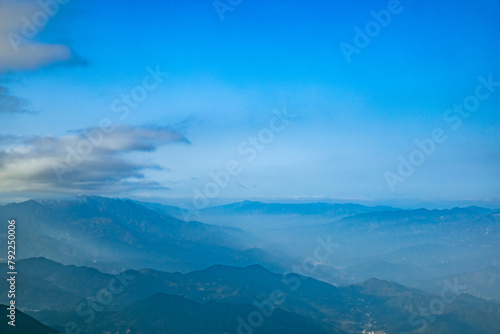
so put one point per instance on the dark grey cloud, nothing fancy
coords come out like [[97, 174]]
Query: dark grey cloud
[[93, 160]]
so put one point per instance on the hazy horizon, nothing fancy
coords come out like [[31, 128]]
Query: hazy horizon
[[186, 202]]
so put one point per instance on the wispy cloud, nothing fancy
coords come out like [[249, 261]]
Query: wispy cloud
[[89, 163], [10, 103], [20, 23]]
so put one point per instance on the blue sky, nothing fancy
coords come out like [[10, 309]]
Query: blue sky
[[348, 123]]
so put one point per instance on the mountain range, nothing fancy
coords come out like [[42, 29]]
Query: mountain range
[[111, 233], [103, 265], [150, 301]]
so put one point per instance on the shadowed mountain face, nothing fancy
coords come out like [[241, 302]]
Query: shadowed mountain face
[[447, 312], [218, 295], [162, 313], [112, 234], [24, 324]]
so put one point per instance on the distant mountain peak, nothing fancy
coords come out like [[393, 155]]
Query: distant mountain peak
[[378, 287], [28, 204]]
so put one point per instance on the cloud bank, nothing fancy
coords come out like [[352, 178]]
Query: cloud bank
[[93, 160]]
